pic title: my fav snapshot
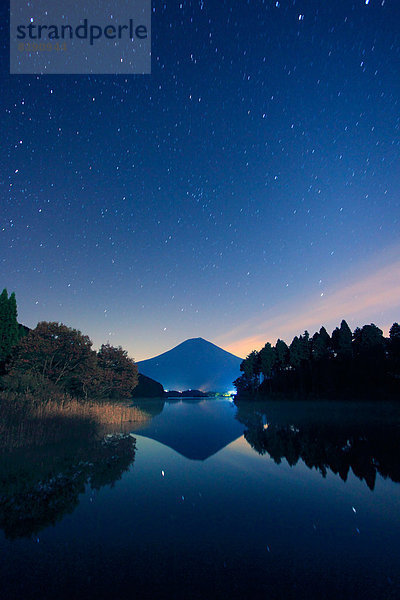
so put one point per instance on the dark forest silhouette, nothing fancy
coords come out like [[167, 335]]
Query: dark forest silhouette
[[360, 362], [343, 440]]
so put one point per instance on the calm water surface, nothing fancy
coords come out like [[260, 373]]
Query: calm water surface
[[277, 500]]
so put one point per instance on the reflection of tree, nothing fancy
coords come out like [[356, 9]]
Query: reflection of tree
[[148, 408], [29, 422], [52, 452], [44, 496], [366, 448]]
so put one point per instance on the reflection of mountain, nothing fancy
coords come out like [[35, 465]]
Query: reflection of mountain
[[347, 438], [194, 364], [197, 429], [53, 452]]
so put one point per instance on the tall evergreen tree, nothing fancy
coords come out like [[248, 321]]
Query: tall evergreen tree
[[370, 356], [394, 333], [305, 347], [342, 341], [9, 335], [394, 348], [294, 353], [369, 340], [12, 319], [282, 355], [250, 366], [321, 345], [300, 350], [267, 360], [3, 321]]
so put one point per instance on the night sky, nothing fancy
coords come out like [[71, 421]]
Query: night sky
[[247, 189]]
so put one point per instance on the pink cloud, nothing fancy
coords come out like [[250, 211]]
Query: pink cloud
[[371, 298]]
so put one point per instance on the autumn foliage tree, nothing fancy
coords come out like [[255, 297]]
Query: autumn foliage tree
[[56, 353], [53, 353], [116, 374]]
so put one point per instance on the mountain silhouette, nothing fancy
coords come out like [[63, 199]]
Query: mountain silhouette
[[194, 364]]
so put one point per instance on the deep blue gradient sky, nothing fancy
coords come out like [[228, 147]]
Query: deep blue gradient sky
[[247, 189]]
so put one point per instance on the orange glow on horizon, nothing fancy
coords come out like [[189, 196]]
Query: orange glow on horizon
[[360, 302]]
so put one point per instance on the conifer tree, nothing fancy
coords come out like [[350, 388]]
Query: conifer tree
[[282, 355], [9, 331], [267, 360], [251, 369], [342, 341], [294, 350], [305, 347], [3, 321], [369, 340], [321, 345], [394, 348], [12, 320]]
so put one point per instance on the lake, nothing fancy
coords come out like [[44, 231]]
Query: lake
[[205, 499]]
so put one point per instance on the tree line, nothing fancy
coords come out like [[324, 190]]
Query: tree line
[[359, 361], [54, 357]]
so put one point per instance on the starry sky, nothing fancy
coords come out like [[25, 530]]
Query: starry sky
[[247, 189]]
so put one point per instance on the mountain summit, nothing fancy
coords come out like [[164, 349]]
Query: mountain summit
[[194, 364]]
